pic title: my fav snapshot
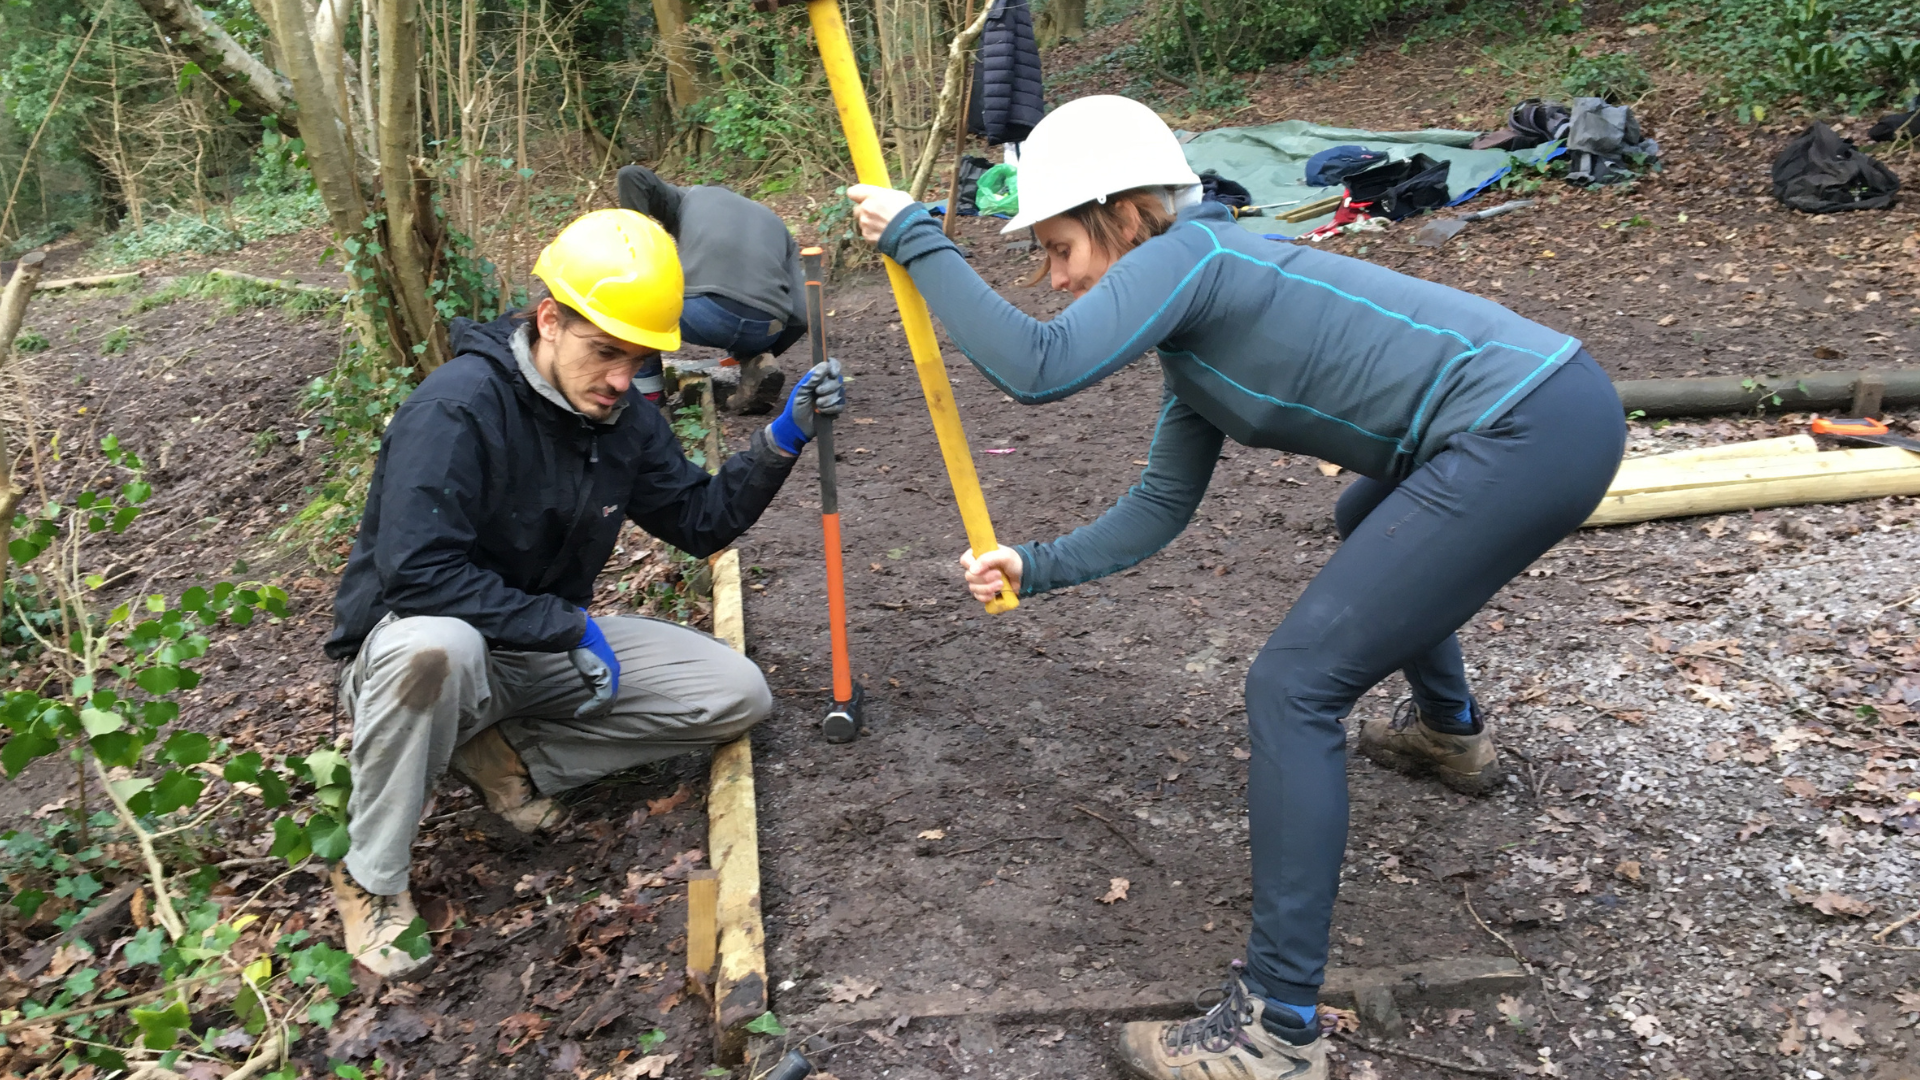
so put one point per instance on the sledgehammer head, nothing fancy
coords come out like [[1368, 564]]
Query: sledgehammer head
[[846, 719], [792, 1067]]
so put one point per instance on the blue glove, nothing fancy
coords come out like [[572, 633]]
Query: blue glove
[[822, 392], [597, 664]]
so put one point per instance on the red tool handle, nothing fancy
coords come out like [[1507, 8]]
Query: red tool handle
[[1864, 426], [837, 611]]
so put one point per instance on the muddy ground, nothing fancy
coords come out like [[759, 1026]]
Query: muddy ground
[[1709, 722]]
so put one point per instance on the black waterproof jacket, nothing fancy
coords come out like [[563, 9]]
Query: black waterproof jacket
[[495, 505], [1008, 96]]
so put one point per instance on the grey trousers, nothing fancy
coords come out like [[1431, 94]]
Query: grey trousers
[[422, 686]]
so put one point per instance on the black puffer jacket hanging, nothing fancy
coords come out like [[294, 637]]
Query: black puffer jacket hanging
[[1008, 95]]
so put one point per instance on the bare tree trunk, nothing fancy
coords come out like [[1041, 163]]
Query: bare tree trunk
[[327, 152], [684, 89], [232, 68], [951, 87], [13, 309], [411, 232]]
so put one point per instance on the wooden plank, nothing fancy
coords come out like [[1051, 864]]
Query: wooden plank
[[1438, 982], [54, 284], [1837, 466], [1755, 495], [1754, 448], [703, 935]]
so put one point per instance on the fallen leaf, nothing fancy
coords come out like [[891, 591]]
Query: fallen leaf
[[1518, 1013], [1337, 1020], [1668, 320], [1718, 751], [652, 1067], [1714, 698], [1645, 1026], [1241, 753], [1563, 724], [1832, 971], [520, 1029], [1328, 468], [1116, 890], [1755, 827], [1909, 1001], [1800, 786], [1180, 756], [933, 834], [849, 991], [683, 864], [680, 798], [1842, 1027], [1455, 1017], [1836, 835], [1828, 902], [1790, 1043], [1362, 1070], [1628, 869]]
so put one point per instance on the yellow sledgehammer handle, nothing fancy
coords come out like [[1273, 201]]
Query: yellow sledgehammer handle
[[850, 98]]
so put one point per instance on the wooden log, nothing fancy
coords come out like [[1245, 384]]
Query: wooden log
[[275, 283], [1313, 209], [1814, 390], [94, 282], [1800, 479], [703, 936]]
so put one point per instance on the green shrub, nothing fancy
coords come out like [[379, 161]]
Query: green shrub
[[117, 340], [1848, 54], [1197, 36], [1616, 76], [31, 341], [236, 294], [280, 199]]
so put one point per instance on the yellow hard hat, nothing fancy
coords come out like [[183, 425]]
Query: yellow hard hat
[[620, 269]]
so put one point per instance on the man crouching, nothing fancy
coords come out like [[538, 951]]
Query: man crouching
[[500, 490]]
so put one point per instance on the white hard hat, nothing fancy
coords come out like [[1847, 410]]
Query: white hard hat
[[1091, 148]]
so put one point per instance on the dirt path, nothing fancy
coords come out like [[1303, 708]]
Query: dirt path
[[955, 848]]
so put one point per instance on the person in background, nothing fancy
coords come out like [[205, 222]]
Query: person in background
[[745, 291], [1480, 438], [499, 493]]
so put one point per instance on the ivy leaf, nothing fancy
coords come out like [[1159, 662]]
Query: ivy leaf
[[187, 748], [325, 963], [289, 841], [28, 901], [175, 791], [160, 1028], [243, 768], [187, 72], [273, 789], [766, 1024], [146, 946], [327, 837], [414, 939], [327, 766]]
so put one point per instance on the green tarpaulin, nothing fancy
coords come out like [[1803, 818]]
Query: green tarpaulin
[[1271, 161]]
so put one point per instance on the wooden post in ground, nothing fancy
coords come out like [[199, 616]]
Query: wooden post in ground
[[13, 311], [1868, 393]]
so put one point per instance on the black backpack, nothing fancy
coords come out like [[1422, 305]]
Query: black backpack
[[1822, 173], [1401, 189]]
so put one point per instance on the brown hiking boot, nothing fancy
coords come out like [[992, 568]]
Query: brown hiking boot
[[1466, 763], [761, 381], [1230, 1042], [372, 923], [494, 770]]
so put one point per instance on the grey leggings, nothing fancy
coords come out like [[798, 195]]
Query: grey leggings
[[1417, 559]]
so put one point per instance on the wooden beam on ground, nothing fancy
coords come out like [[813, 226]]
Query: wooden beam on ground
[[1735, 393], [1752, 448], [1438, 982], [276, 283], [733, 834], [1651, 491], [703, 935], [94, 282]]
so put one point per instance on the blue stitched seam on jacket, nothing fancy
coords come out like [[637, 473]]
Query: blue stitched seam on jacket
[[1544, 364], [1283, 404]]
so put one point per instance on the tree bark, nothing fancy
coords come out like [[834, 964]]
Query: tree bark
[[237, 72], [327, 151], [13, 309], [411, 232], [683, 83], [951, 85]]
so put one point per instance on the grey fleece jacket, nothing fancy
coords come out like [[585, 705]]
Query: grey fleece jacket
[[729, 245], [1281, 346]]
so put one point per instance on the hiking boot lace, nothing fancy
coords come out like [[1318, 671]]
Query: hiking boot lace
[[1220, 1028], [1404, 716]]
